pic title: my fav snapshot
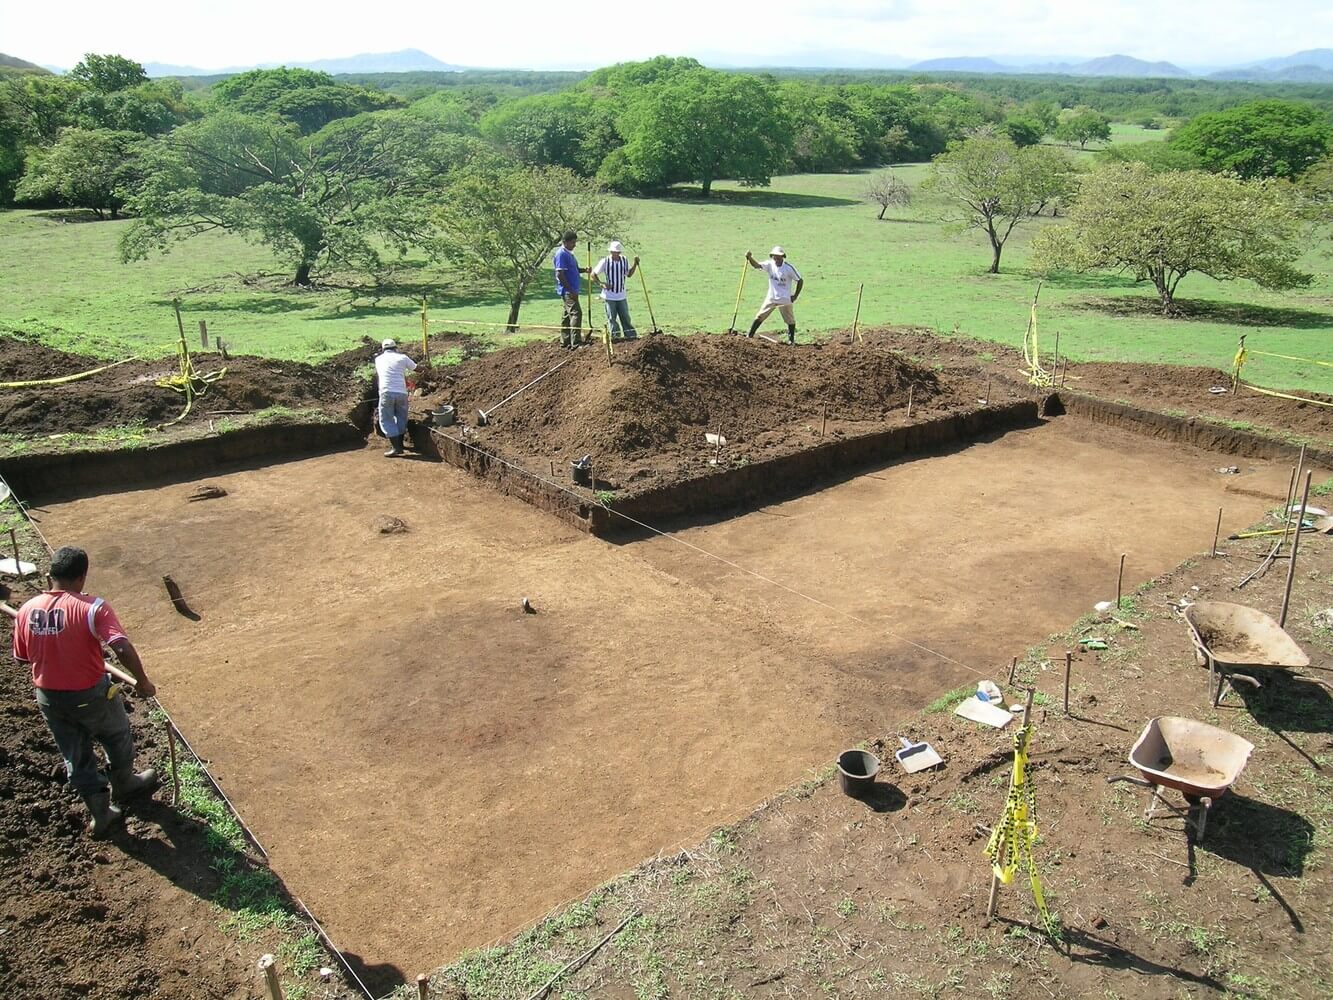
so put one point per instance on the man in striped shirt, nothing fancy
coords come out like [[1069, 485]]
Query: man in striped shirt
[[611, 273]]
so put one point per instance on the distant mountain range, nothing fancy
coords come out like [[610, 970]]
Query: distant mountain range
[[403, 61], [1310, 66]]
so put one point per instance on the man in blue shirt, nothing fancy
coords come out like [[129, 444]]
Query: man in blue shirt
[[567, 273]]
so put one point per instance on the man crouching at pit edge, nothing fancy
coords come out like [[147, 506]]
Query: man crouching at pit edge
[[59, 633]]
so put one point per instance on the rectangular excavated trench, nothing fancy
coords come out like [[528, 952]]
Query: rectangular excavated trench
[[430, 768]]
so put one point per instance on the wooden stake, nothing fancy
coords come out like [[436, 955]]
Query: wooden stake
[[856, 320], [823, 418], [1295, 547], [268, 965], [987, 390], [1286, 510], [425, 332], [203, 334], [1217, 531], [911, 389], [552, 468], [1064, 372], [1119, 581], [180, 323], [1013, 668], [1069, 666], [18, 565], [175, 772], [222, 349], [1055, 365], [423, 987]]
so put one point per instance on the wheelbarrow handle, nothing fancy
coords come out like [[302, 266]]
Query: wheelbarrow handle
[[1141, 782]]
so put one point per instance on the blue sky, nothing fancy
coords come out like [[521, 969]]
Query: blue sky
[[552, 34]]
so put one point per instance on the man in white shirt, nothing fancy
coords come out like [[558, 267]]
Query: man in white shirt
[[781, 296], [612, 273], [391, 368]]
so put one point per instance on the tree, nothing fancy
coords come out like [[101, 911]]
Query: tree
[[568, 129], [700, 125], [502, 223], [330, 198], [107, 74], [886, 189], [1049, 175], [1164, 225], [1023, 131], [307, 98], [1083, 125], [1258, 139], [990, 184], [86, 168]]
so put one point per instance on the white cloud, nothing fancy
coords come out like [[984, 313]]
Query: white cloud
[[542, 34]]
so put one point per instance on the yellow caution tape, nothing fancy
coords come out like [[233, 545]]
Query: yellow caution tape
[[1013, 838], [65, 379], [1284, 395], [1288, 357]]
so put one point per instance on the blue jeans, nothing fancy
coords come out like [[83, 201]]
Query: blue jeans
[[75, 719], [393, 413], [617, 318]]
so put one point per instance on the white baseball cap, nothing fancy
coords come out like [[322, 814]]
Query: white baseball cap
[[777, 252], [388, 344], [615, 246]]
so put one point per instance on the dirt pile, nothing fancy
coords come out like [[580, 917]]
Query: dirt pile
[[129, 394], [660, 395]]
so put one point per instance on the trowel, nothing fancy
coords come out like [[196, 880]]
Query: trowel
[[917, 756]]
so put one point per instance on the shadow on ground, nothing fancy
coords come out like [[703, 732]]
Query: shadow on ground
[[1202, 310]]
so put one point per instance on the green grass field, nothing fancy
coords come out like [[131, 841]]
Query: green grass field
[[63, 282]]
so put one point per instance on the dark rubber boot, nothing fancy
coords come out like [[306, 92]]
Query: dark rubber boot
[[754, 328], [131, 785], [791, 335], [105, 815], [397, 450]]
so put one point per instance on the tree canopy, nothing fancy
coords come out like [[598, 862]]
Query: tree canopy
[[328, 198], [306, 98], [502, 223], [87, 168], [1164, 225], [1258, 139], [991, 184]]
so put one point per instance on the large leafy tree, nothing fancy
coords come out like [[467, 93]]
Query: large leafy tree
[[330, 198], [1083, 125], [86, 168], [989, 184], [108, 73], [502, 223], [700, 125], [306, 98], [571, 129], [1258, 139], [1164, 225]]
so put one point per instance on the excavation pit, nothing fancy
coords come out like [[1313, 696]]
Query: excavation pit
[[356, 700]]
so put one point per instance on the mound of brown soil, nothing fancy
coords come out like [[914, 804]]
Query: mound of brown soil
[[659, 396], [129, 393]]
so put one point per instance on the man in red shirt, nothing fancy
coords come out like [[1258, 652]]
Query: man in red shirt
[[60, 634]]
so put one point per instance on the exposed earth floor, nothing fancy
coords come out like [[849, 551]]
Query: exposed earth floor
[[430, 768]]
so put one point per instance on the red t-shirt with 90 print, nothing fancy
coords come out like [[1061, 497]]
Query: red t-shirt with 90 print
[[60, 633]]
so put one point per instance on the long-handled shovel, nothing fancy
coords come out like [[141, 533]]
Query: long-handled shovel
[[745, 269], [654, 331]]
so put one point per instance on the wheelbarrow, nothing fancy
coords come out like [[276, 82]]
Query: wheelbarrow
[[1229, 638], [1198, 760]]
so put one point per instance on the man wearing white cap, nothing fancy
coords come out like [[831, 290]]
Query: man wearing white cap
[[612, 272], [391, 368], [781, 296]]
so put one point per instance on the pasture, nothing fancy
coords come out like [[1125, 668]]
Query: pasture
[[63, 281]]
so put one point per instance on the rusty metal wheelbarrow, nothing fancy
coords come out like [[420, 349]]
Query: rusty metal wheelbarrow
[[1229, 638], [1198, 760]]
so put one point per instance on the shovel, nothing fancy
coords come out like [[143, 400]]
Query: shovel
[[917, 756]]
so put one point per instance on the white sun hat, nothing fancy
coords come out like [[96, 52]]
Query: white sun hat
[[388, 344], [777, 252], [614, 246]]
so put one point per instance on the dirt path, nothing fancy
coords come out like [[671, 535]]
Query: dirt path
[[429, 767]]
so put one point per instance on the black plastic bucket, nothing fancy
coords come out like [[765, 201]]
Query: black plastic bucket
[[856, 772], [581, 472]]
